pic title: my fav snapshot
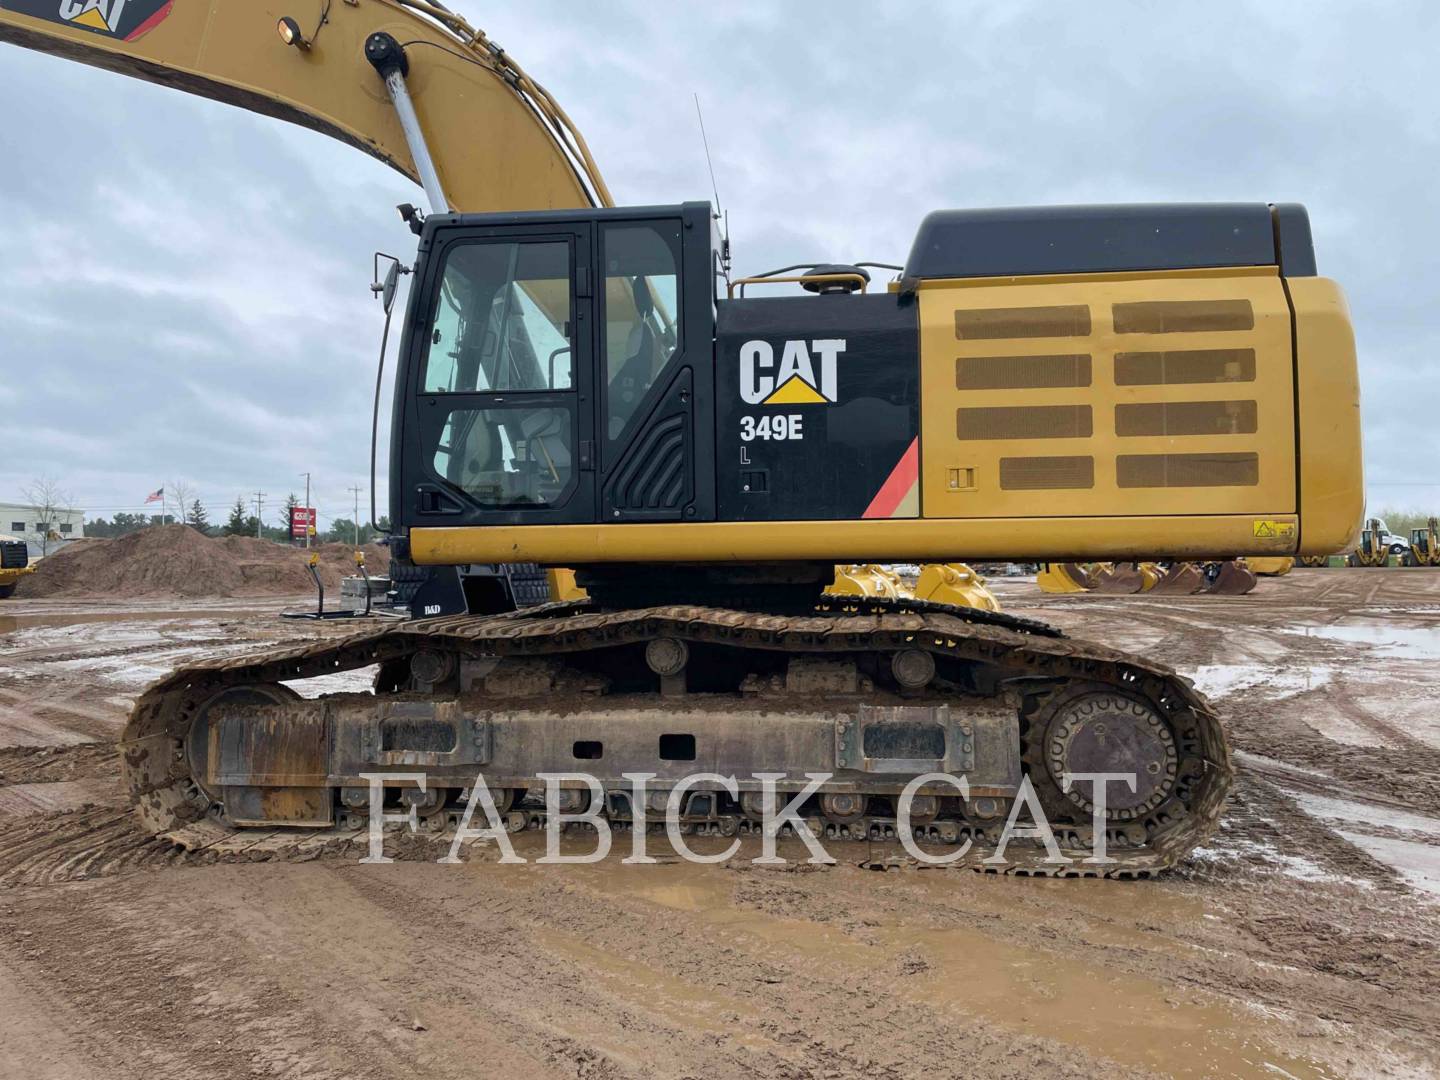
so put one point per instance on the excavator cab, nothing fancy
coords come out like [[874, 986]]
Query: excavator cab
[[558, 370]]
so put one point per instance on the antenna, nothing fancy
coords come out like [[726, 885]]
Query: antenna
[[719, 214]]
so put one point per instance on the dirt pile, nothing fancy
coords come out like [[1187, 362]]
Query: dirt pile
[[175, 560]]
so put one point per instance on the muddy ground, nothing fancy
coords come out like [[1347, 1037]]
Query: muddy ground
[[1302, 942]]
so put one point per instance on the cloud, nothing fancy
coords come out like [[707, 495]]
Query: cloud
[[183, 285]]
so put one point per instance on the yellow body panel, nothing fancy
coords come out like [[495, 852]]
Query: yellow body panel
[[888, 540], [1332, 480], [1069, 390]]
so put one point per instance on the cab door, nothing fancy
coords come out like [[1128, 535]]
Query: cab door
[[654, 410], [503, 380]]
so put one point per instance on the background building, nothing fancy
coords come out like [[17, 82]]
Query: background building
[[31, 525]]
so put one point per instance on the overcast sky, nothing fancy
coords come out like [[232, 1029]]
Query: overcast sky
[[183, 287]]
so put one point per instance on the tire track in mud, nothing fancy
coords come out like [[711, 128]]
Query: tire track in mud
[[57, 710], [175, 995], [79, 844], [50, 764], [1376, 964], [545, 1014], [809, 1015], [1407, 774]]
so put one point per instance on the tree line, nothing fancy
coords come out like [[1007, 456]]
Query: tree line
[[240, 522]]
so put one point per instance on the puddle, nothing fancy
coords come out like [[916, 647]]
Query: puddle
[[1263, 762], [1221, 680], [1418, 864], [1389, 642], [129, 673], [10, 623], [1135, 1021], [1368, 813], [1228, 848]]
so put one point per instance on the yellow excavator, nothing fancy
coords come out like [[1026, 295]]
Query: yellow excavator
[[578, 388]]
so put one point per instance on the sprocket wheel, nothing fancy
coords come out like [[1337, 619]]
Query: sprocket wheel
[[1108, 732]]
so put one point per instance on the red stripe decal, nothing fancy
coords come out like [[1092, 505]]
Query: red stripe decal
[[150, 23], [897, 485]]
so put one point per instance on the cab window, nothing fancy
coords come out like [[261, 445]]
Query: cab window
[[503, 320], [642, 328], [520, 456]]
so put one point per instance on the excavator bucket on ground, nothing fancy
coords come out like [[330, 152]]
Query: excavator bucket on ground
[[1271, 566], [939, 583], [1180, 579], [956, 584], [1064, 578], [867, 580], [1228, 578], [1119, 578]]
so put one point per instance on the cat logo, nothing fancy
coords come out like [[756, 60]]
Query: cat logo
[[806, 374], [124, 19]]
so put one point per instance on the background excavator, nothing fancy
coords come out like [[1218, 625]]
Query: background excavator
[[576, 389]]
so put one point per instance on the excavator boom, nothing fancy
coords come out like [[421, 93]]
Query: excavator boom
[[498, 139]]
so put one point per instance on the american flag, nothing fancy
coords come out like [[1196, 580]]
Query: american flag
[[155, 496]]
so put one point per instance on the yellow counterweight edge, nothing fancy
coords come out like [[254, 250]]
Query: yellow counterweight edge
[[1332, 475]]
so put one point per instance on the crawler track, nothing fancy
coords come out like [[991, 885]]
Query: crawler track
[[1026, 659]]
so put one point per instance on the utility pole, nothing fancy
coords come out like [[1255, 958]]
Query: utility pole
[[259, 508], [356, 519], [307, 509]]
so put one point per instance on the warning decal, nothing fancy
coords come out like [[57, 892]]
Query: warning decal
[[1274, 530]]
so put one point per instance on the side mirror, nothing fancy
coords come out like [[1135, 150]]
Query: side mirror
[[385, 290]]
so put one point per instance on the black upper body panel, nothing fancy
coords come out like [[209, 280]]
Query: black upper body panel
[[1017, 241]]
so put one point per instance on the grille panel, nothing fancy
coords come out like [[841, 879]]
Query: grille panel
[[1022, 372], [1183, 316], [14, 555], [1187, 470], [1184, 366], [1069, 320], [1047, 473], [1186, 418], [1109, 396], [1025, 422]]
